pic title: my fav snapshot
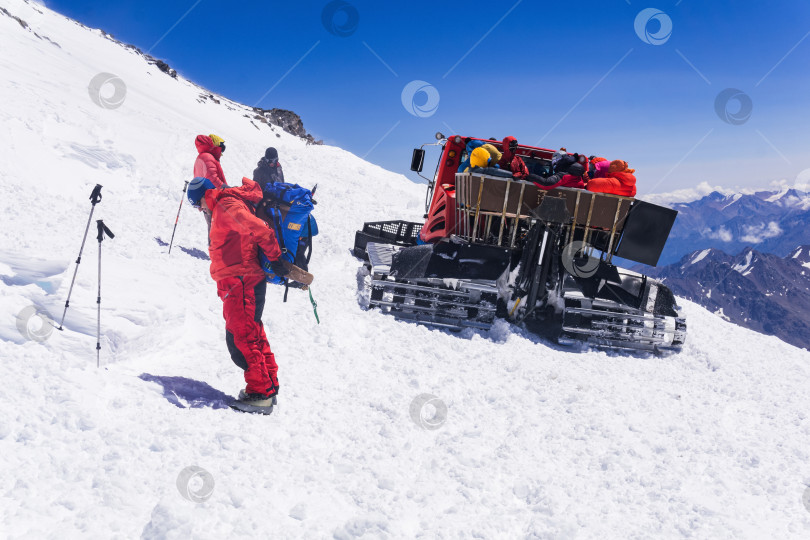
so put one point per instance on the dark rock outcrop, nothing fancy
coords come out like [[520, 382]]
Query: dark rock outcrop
[[164, 67], [25, 26], [4, 11], [286, 120]]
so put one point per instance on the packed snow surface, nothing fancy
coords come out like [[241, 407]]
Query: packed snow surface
[[383, 429]]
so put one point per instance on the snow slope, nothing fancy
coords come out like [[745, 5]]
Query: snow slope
[[537, 441]]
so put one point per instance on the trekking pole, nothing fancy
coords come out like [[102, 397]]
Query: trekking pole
[[102, 230], [178, 217], [95, 198]]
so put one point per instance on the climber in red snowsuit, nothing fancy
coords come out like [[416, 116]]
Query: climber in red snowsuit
[[235, 238]]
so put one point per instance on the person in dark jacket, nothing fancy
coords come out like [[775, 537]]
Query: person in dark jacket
[[269, 170], [568, 172]]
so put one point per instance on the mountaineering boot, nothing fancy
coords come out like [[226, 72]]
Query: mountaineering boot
[[244, 396], [254, 403]]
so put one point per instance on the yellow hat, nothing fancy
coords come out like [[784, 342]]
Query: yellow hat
[[217, 139], [479, 157]]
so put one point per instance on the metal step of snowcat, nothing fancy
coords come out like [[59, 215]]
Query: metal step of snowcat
[[450, 303]]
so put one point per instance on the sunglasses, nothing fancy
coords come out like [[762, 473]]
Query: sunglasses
[[222, 145]]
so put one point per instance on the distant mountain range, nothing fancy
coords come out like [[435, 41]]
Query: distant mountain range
[[766, 286], [769, 221], [760, 291]]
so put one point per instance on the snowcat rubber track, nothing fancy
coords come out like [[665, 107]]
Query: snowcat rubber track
[[609, 324], [433, 304], [453, 304]]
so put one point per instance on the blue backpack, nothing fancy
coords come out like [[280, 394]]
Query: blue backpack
[[287, 208]]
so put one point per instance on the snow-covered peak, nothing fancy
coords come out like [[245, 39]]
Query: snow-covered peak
[[775, 196], [700, 256], [744, 266], [683, 196], [731, 200], [782, 195], [801, 255]]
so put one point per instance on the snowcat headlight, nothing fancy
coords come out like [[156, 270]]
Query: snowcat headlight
[[457, 140]]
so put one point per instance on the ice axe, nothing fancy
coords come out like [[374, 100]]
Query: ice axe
[[95, 198], [314, 306]]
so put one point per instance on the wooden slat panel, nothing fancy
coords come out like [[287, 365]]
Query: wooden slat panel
[[492, 199], [604, 208], [492, 196]]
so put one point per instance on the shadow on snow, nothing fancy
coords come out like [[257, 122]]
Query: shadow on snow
[[188, 393], [194, 252]]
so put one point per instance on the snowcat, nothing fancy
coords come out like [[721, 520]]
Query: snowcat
[[495, 246]]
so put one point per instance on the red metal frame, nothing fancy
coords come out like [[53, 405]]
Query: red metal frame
[[441, 216]]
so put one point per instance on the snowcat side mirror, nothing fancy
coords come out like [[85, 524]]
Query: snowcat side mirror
[[418, 160]]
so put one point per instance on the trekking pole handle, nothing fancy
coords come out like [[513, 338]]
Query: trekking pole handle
[[102, 230], [95, 197]]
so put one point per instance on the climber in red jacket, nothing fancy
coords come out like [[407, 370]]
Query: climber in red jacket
[[510, 161], [235, 238], [207, 165]]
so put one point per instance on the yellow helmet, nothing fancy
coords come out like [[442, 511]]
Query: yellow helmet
[[217, 139], [479, 157]]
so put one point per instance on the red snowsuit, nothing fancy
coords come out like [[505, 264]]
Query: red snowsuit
[[235, 238], [207, 163], [568, 180], [619, 180], [511, 162]]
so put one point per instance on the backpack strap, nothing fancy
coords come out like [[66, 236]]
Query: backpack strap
[[308, 256], [277, 227], [280, 240]]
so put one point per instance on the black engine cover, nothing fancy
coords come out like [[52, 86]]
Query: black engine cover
[[450, 260]]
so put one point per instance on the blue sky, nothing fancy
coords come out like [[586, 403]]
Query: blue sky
[[573, 74]]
